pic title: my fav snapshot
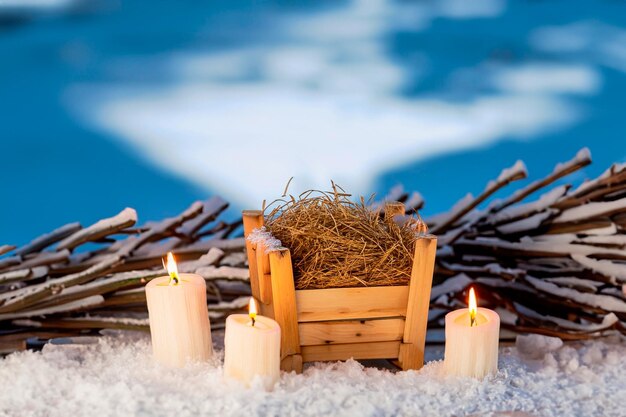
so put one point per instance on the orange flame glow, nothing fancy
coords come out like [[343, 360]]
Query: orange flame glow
[[172, 269], [473, 307], [252, 311]]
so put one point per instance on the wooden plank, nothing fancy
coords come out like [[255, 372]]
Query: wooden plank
[[351, 303], [374, 350], [263, 272], [412, 350], [284, 301], [292, 363], [351, 331], [252, 219]]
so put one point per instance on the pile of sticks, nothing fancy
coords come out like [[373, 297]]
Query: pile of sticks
[[555, 265], [77, 280]]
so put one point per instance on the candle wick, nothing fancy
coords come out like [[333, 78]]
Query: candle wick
[[253, 321], [472, 318]]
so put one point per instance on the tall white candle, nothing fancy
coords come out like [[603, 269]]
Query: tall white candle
[[179, 319], [252, 348], [472, 337]]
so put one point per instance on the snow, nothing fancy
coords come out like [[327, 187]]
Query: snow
[[529, 244], [509, 174], [545, 201], [456, 208], [490, 268], [605, 231], [528, 224], [116, 376], [575, 282], [518, 169], [126, 217], [264, 236], [590, 210], [607, 321], [587, 185], [224, 272], [236, 304], [536, 346], [605, 302], [582, 156], [618, 240], [71, 306], [454, 284], [604, 267]]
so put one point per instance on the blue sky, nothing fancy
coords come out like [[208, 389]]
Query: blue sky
[[153, 107]]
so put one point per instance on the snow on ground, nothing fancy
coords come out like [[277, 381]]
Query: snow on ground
[[115, 376]]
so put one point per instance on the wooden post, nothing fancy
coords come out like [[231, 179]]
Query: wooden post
[[285, 312], [263, 274], [414, 339], [252, 219]]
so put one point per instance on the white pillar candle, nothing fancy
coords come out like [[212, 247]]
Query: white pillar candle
[[472, 337], [179, 319], [252, 348]]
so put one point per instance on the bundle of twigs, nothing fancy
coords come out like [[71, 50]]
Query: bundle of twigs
[[336, 242], [58, 286], [555, 265]]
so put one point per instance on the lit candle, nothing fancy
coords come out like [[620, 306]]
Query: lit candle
[[179, 319], [252, 348], [472, 337]]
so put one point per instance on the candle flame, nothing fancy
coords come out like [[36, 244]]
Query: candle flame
[[252, 311], [172, 269], [472, 307]]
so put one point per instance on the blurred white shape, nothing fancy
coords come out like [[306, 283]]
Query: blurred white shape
[[35, 5], [470, 9], [321, 104], [219, 66], [567, 38], [589, 41], [246, 141], [548, 78]]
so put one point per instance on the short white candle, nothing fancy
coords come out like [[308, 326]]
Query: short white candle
[[252, 348], [472, 345], [179, 318]]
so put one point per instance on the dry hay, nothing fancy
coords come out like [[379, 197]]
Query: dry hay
[[336, 242]]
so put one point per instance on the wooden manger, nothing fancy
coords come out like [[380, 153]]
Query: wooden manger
[[386, 322]]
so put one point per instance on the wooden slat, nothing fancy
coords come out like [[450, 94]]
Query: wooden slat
[[374, 350], [252, 219], [351, 303], [284, 303], [412, 350], [292, 363], [263, 271], [351, 331]]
